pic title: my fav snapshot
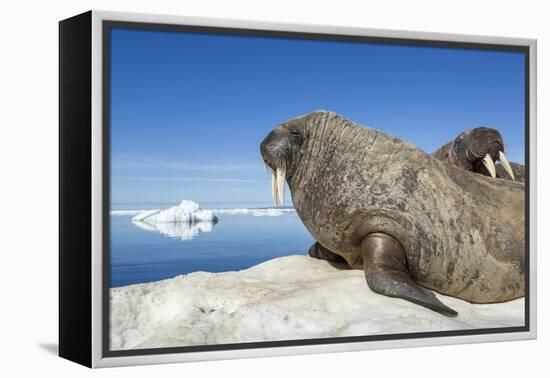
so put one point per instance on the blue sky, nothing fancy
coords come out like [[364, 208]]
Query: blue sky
[[188, 110]]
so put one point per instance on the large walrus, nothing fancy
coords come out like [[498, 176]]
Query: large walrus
[[407, 219], [481, 150]]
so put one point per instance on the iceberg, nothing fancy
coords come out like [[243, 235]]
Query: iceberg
[[180, 230], [288, 298], [184, 221], [187, 211]]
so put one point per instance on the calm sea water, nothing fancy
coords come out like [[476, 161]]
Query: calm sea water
[[143, 253]]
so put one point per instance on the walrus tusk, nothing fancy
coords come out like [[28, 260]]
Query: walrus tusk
[[281, 172], [490, 165], [274, 188], [506, 165]]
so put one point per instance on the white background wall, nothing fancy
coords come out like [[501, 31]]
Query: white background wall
[[28, 152]]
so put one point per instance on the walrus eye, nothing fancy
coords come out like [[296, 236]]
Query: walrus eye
[[295, 135]]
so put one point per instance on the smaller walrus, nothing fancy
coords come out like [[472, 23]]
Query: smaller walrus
[[480, 150], [407, 219]]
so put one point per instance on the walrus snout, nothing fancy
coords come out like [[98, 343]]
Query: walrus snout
[[276, 153], [277, 150], [483, 141], [265, 148], [276, 147]]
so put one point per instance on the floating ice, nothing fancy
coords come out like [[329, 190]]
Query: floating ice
[[293, 297], [179, 230], [185, 212], [184, 221]]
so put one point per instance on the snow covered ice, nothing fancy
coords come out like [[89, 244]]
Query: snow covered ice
[[292, 297]]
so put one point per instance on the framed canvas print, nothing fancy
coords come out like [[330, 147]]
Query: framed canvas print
[[234, 189]]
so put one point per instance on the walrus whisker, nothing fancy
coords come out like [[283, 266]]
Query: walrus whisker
[[264, 164]]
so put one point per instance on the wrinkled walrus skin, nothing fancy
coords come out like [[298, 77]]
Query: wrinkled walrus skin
[[462, 233]]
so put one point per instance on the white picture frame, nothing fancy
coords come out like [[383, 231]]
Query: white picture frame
[[91, 263]]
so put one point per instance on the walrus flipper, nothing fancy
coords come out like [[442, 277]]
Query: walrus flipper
[[386, 271], [319, 252]]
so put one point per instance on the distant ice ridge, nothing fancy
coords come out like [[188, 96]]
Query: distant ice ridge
[[257, 212], [292, 297], [268, 212], [127, 212], [186, 212]]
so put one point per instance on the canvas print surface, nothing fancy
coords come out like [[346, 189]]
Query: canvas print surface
[[276, 188]]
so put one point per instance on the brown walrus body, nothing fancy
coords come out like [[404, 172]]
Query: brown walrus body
[[403, 216]]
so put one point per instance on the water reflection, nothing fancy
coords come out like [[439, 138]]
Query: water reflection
[[177, 230]]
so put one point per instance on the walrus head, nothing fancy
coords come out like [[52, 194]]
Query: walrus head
[[280, 152], [477, 150]]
